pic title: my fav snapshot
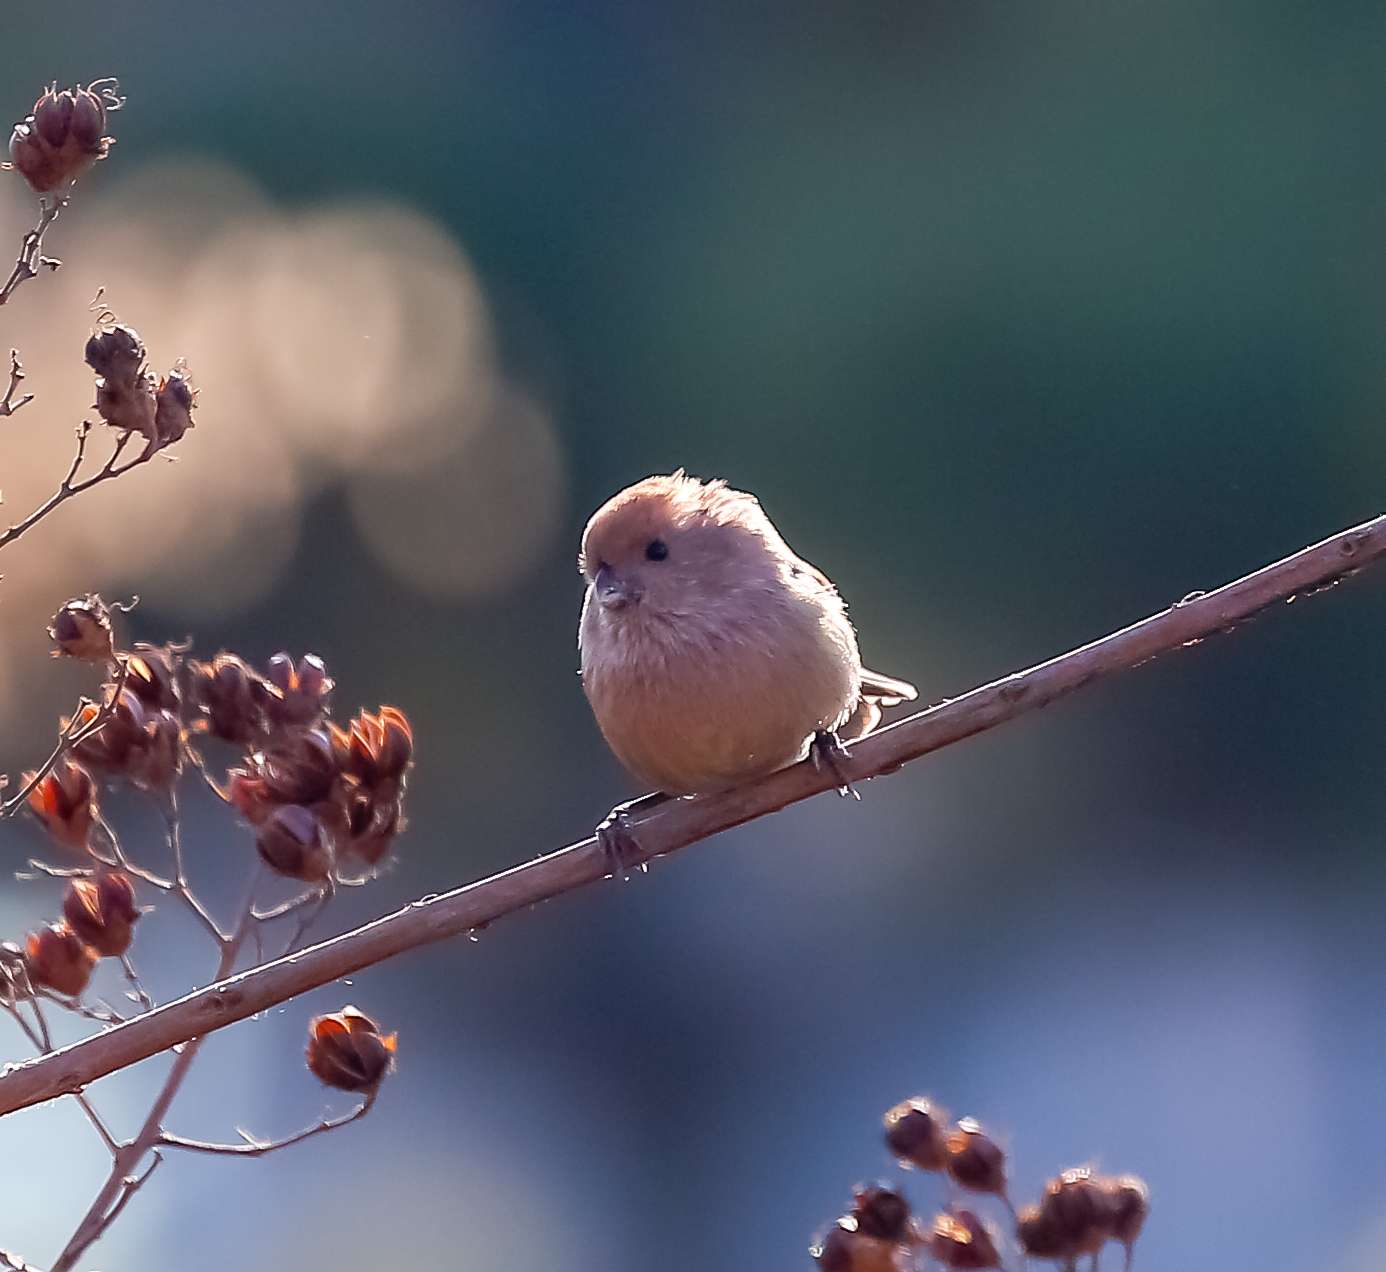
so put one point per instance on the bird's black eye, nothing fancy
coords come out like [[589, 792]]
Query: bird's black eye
[[656, 550]]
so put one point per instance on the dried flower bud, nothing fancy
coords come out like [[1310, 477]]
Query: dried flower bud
[[845, 1249], [1081, 1211], [293, 841], [120, 740], [156, 763], [58, 959], [115, 352], [375, 748], [152, 676], [299, 694], [300, 769], [914, 1132], [882, 1212], [129, 407], [65, 802], [1039, 1234], [372, 822], [961, 1240], [64, 135], [975, 1160], [102, 912], [173, 404], [346, 1050], [1130, 1205], [224, 694], [82, 629]]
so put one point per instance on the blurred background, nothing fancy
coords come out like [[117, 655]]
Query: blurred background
[[1023, 321]]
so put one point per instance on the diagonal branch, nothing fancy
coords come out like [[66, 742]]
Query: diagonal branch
[[678, 823]]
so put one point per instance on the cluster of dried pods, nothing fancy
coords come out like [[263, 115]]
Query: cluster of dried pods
[[1078, 1213]]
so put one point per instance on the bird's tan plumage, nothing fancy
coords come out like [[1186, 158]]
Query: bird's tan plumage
[[715, 656]]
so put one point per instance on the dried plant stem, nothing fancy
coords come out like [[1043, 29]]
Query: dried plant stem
[[678, 823], [70, 486], [125, 1179], [8, 406], [30, 257], [258, 1148]]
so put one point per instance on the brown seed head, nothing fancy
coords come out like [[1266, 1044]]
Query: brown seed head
[[1039, 1234], [115, 352], [156, 763], [1081, 1210], [373, 820], [296, 694], [845, 1249], [293, 841], [224, 695], [881, 1211], [962, 1240], [915, 1133], [121, 740], [58, 959], [975, 1160], [346, 1050], [64, 135], [65, 802], [82, 629], [173, 406], [130, 407], [1130, 1200], [153, 677], [375, 748], [102, 912]]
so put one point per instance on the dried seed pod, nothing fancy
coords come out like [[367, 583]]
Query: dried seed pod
[[152, 676], [293, 841], [119, 743], [299, 769], [158, 761], [881, 1211], [115, 352], [975, 1160], [296, 694], [375, 749], [1130, 1201], [372, 822], [174, 400], [82, 629], [64, 134], [961, 1240], [346, 1050], [58, 959], [129, 406], [64, 800], [1039, 1234], [845, 1249], [1081, 1209], [915, 1134], [223, 693], [102, 912]]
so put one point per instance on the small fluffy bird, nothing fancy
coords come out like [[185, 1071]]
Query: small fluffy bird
[[711, 653]]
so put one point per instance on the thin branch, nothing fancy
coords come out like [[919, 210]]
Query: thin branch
[[678, 823], [258, 1148], [30, 257], [11, 1262], [8, 406], [119, 1187], [181, 888], [70, 486], [76, 732], [137, 989]]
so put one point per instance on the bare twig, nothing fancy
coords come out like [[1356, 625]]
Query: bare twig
[[70, 486], [678, 823], [121, 1184], [258, 1148], [11, 1262], [8, 406], [181, 888], [76, 732], [30, 257]]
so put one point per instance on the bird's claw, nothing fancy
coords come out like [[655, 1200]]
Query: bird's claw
[[619, 845], [828, 754]]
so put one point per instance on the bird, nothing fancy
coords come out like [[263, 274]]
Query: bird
[[710, 652]]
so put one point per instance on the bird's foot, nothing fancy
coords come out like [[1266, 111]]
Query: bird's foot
[[827, 753], [616, 836]]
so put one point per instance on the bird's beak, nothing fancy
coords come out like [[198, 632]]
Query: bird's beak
[[613, 592]]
